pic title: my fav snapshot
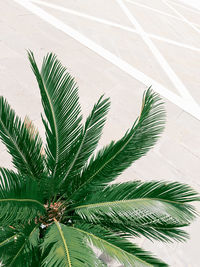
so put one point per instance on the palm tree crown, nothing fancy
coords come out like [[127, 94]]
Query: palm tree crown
[[59, 204]]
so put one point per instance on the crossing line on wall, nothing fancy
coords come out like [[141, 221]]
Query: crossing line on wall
[[187, 104]]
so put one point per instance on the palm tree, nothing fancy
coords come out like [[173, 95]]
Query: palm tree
[[59, 204]]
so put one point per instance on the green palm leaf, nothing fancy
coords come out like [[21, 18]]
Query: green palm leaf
[[60, 206], [118, 156], [20, 196], [59, 95], [23, 145], [7, 237], [117, 247], [21, 252], [155, 209], [67, 248], [86, 143], [152, 229]]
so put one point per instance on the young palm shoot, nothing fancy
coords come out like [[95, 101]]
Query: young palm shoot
[[59, 204]]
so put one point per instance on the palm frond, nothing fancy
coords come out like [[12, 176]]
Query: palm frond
[[67, 247], [86, 143], [118, 248], [60, 206], [20, 199], [21, 252], [154, 209], [7, 237], [59, 95], [23, 145], [115, 158], [152, 230]]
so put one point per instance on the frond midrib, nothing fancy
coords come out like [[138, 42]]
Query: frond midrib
[[17, 147], [89, 180], [80, 147], [22, 247], [22, 200], [17, 255], [64, 242], [7, 240], [103, 204], [54, 121], [110, 244]]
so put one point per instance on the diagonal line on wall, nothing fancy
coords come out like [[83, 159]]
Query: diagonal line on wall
[[159, 11], [169, 41], [185, 7], [83, 15], [113, 24], [182, 17], [153, 9], [190, 107], [156, 53]]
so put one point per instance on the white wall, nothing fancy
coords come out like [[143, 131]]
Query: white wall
[[193, 3]]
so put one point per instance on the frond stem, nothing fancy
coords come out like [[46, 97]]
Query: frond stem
[[54, 121], [18, 149], [7, 240], [110, 244], [129, 139], [64, 242]]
